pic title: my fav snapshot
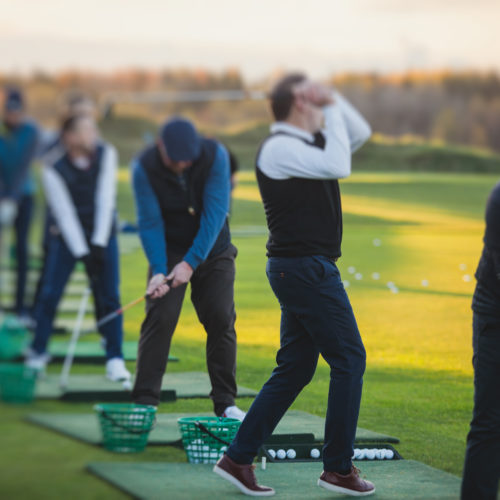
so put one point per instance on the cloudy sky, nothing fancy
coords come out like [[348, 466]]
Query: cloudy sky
[[319, 36]]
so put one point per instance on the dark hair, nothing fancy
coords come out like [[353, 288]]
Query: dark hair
[[70, 123], [282, 96]]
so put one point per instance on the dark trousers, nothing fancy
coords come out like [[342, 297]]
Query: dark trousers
[[482, 458], [212, 294], [316, 318], [59, 264]]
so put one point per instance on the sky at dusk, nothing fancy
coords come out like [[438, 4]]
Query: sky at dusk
[[318, 36]]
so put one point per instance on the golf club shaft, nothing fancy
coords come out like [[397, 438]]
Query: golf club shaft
[[111, 316]]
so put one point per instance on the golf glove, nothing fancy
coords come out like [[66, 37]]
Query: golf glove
[[8, 212]]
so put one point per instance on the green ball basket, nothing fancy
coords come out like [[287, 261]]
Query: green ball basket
[[205, 439], [17, 383], [125, 427], [14, 338]]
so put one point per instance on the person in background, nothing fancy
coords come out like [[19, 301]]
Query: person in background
[[18, 147], [297, 168], [482, 458], [182, 191], [51, 150], [80, 189]]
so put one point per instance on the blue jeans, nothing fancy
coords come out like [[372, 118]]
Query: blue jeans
[[482, 458], [59, 264], [316, 318]]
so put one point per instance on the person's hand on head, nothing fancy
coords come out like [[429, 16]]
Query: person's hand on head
[[157, 286], [181, 274], [315, 93]]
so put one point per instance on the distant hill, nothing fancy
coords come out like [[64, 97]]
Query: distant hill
[[130, 135]]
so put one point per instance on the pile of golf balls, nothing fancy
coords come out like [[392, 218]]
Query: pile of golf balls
[[373, 454], [282, 454]]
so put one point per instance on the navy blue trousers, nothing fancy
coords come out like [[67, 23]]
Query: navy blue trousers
[[482, 458], [59, 264], [316, 318]]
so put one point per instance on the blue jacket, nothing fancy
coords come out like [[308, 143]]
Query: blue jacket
[[18, 148], [156, 209]]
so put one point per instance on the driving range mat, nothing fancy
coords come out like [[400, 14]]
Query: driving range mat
[[91, 352], [394, 480], [97, 388], [85, 427]]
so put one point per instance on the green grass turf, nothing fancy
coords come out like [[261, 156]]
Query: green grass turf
[[395, 480], [418, 383], [85, 427]]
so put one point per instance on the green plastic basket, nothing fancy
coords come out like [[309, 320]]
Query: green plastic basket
[[17, 383], [205, 439], [14, 338], [125, 427]]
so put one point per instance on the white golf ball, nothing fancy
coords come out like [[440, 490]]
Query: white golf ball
[[379, 454], [425, 282], [376, 276], [377, 242], [361, 454], [351, 269], [281, 454], [462, 267], [395, 289], [357, 453], [271, 453], [358, 276], [370, 454], [127, 385], [467, 278], [346, 284], [390, 284], [389, 454], [291, 454], [315, 453]]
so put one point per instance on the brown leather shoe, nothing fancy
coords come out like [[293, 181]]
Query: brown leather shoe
[[242, 476], [350, 484]]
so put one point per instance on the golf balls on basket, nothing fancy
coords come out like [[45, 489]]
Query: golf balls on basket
[[370, 454], [281, 454], [291, 454], [389, 454], [315, 453], [379, 454], [357, 453], [271, 453]]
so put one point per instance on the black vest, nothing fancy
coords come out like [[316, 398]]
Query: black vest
[[181, 198], [82, 186], [304, 216]]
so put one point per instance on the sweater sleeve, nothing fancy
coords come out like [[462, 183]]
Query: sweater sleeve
[[358, 129], [216, 196], [492, 233], [149, 219], [105, 200], [64, 212]]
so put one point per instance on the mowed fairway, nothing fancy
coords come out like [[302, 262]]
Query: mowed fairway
[[418, 383]]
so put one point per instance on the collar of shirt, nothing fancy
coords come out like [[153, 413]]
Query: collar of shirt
[[292, 130]]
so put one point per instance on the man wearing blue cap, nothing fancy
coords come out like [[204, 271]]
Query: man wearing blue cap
[[18, 146], [182, 192]]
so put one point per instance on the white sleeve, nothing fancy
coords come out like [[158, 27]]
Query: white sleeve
[[105, 197], [64, 212], [358, 128], [285, 156]]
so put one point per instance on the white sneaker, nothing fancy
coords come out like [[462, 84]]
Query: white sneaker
[[234, 412], [36, 361], [116, 370]]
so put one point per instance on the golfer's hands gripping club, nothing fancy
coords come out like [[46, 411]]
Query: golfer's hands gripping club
[[159, 285], [181, 274]]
